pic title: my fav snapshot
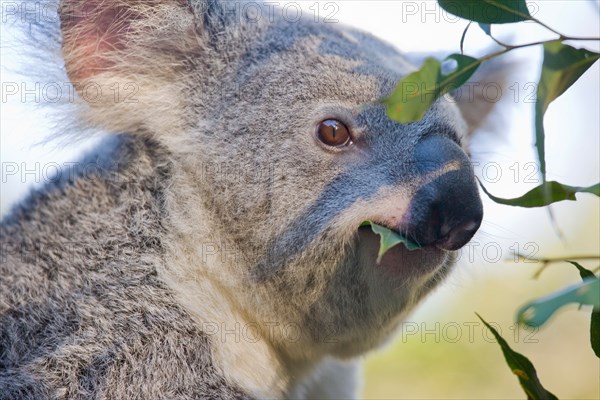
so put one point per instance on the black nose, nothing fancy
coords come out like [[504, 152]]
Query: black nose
[[446, 210]]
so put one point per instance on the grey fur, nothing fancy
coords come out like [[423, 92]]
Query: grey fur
[[81, 306], [216, 208]]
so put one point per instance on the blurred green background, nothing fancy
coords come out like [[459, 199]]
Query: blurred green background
[[463, 362]]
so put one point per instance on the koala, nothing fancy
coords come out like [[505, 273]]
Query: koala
[[210, 247]]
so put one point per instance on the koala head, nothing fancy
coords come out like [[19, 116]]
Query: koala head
[[279, 151]]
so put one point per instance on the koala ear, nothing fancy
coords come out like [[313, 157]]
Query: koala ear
[[477, 98], [129, 60]]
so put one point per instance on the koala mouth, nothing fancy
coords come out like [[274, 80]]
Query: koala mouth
[[398, 260]]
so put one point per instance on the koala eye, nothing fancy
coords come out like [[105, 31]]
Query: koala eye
[[333, 133]]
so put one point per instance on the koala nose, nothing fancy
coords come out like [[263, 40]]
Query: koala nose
[[446, 210]]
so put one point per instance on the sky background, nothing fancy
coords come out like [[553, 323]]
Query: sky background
[[505, 145]]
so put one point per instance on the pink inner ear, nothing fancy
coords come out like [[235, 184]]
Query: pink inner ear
[[91, 32]]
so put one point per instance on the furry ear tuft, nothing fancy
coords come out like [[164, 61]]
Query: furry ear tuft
[[109, 36], [127, 60]]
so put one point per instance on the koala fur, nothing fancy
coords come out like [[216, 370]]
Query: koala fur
[[212, 250]]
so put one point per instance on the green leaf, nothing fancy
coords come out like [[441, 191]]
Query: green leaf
[[488, 11], [562, 66], [465, 68], [408, 102], [521, 367], [583, 272], [487, 28], [415, 93], [595, 320], [537, 312], [547, 193], [595, 332], [389, 239]]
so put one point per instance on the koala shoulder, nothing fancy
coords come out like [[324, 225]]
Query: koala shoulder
[[82, 310]]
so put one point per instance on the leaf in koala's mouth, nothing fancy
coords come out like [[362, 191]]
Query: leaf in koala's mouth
[[389, 239]]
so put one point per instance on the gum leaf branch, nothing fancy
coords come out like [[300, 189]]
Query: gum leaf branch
[[547, 193], [537, 312], [547, 261], [562, 66], [488, 11], [522, 368], [414, 94], [595, 319]]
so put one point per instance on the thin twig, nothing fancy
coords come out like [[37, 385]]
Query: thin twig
[[551, 260]]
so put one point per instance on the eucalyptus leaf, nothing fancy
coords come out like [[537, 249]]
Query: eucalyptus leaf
[[522, 368], [537, 312], [415, 93], [408, 102], [595, 332], [583, 272], [562, 66], [488, 11], [389, 239], [595, 320], [547, 193], [487, 28]]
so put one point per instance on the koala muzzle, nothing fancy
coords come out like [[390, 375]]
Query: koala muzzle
[[446, 209]]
